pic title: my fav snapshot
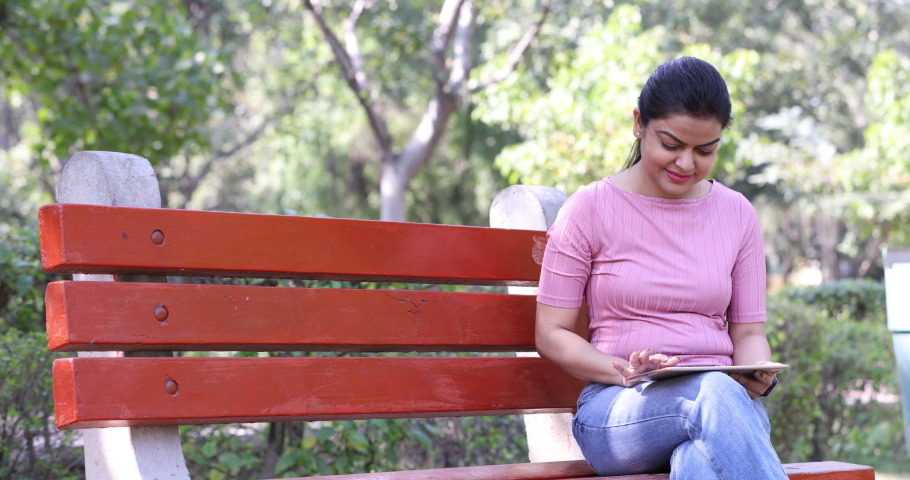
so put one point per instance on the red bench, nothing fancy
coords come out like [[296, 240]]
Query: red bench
[[147, 394]]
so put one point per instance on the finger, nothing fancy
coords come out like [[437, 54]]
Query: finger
[[672, 362], [773, 364], [657, 358], [753, 387], [643, 356], [766, 378], [633, 359], [622, 369]]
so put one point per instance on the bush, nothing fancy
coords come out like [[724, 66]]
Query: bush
[[836, 340], [223, 452], [30, 446], [21, 281]]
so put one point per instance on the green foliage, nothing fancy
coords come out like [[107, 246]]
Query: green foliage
[[21, 281], [835, 338], [342, 447], [577, 128], [31, 447], [127, 76], [820, 103]]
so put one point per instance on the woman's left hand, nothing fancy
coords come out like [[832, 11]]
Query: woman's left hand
[[757, 385]]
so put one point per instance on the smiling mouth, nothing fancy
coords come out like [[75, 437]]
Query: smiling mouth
[[677, 177]]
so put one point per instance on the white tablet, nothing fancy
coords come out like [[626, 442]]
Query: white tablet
[[672, 372]]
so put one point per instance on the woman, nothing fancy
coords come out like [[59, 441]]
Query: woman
[[672, 268]]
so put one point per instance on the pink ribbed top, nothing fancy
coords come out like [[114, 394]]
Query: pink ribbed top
[[657, 273]]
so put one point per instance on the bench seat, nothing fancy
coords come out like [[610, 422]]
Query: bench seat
[[580, 469]]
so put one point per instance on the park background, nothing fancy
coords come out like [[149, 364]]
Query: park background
[[421, 111]]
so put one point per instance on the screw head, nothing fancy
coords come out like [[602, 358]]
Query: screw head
[[171, 387], [158, 237], [161, 313]]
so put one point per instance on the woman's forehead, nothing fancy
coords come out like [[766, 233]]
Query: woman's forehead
[[688, 129]]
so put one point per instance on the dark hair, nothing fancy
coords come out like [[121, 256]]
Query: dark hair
[[685, 86]]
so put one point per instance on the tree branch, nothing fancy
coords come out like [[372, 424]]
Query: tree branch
[[352, 45], [464, 38], [195, 180], [442, 36], [517, 52], [352, 75]]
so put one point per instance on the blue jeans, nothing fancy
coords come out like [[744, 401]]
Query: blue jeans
[[701, 426]]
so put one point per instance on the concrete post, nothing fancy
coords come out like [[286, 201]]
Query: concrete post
[[525, 207], [897, 298], [136, 453]]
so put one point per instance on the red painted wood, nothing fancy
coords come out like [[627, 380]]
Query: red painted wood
[[117, 240], [580, 469], [121, 316], [130, 391], [518, 471], [829, 471]]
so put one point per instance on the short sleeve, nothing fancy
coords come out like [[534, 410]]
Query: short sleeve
[[568, 255], [747, 303]]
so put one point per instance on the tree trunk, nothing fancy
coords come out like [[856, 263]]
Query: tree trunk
[[392, 187], [399, 169]]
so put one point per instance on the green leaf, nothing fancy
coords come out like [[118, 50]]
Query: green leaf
[[209, 449], [421, 437], [308, 442], [288, 460], [24, 284], [358, 442], [232, 461], [215, 475], [324, 433]]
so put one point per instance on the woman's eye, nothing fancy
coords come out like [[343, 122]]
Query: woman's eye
[[705, 153], [668, 147]]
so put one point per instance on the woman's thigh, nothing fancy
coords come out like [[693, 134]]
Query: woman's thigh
[[620, 434], [635, 430]]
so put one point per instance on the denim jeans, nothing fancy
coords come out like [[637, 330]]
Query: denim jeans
[[701, 426]]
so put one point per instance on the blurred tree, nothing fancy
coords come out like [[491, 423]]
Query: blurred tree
[[451, 61], [125, 76], [810, 82]]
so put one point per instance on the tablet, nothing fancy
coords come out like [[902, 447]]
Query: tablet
[[673, 372]]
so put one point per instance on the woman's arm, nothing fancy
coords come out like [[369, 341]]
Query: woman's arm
[[557, 342], [750, 347]]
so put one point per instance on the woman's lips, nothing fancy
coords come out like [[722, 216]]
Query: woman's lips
[[677, 177]]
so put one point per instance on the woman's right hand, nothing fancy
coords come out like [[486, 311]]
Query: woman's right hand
[[643, 361]]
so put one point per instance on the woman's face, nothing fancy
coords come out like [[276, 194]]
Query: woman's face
[[677, 153]]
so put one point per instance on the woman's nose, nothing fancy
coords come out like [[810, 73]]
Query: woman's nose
[[685, 161]]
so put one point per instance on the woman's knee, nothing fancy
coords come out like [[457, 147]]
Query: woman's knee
[[720, 394], [721, 385]]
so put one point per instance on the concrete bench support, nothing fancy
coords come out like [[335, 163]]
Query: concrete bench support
[[140, 453], [526, 207]]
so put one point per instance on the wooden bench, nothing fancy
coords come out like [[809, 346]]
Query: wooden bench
[[140, 395]]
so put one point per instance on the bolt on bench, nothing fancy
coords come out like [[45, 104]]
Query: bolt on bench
[[133, 400]]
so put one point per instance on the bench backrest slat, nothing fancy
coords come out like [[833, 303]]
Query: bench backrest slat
[[179, 391], [120, 240], [122, 316]]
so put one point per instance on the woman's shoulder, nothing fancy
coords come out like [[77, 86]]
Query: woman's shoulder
[[735, 203], [596, 190], [729, 196], [585, 206]]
